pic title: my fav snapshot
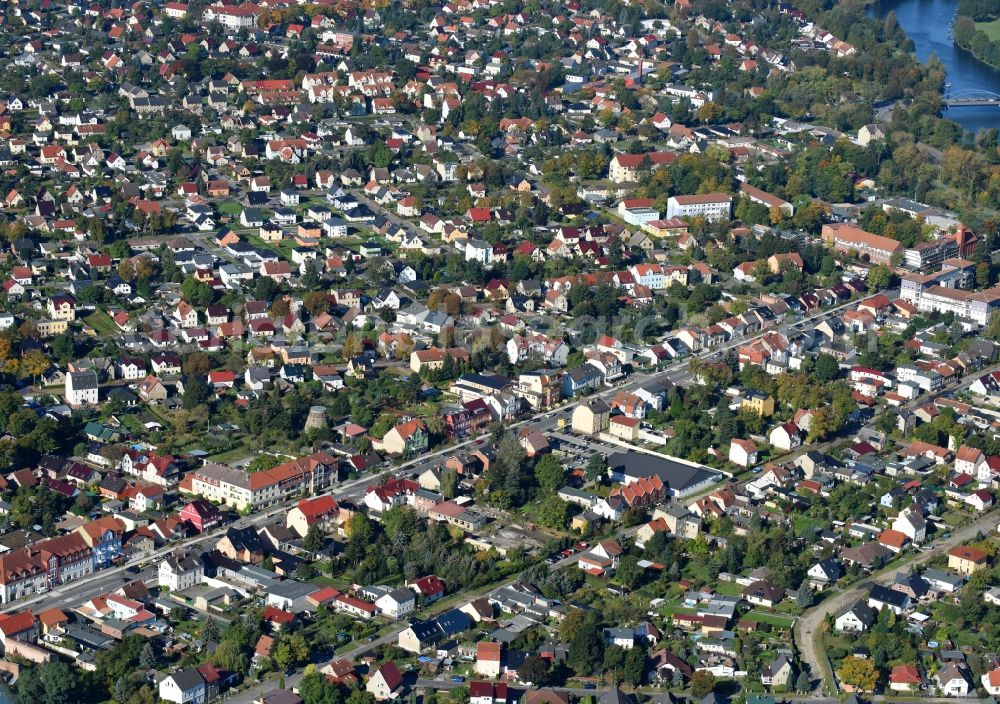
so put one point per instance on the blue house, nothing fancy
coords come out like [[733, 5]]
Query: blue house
[[104, 536], [579, 380]]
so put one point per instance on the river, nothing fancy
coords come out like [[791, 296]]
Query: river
[[927, 23]]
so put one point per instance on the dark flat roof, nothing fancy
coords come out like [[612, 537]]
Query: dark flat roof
[[679, 476]]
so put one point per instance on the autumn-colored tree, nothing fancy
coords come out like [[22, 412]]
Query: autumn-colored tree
[[453, 304], [702, 683], [709, 112], [27, 330], [279, 309], [316, 302], [197, 364], [145, 268], [126, 270], [7, 362], [404, 347], [859, 673], [34, 363], [352, 346]]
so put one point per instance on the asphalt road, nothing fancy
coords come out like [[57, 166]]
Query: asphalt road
[[354, 490], [809, 625]]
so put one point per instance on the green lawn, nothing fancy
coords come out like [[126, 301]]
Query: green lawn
[[674, 607], [324, 580], [101, 322], [954, 518], [770, 619], [230, 207], [132, 423], [729, 589], [990, 29], [237, 453], [806, 525]]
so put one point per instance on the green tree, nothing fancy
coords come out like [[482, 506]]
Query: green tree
[[597, 466], [826, 368], [553, 512], [586, 650], [992, 330], [549, 473], [535, 670], [53, 683], [147, 656], [879, 277], [628, 572], [702, 683], [209, 629], [314, 540], [804, 595], [231, 656], [634, 669], [63, 347], [449, 483], [315, 688], [571, 625], [197, 293]]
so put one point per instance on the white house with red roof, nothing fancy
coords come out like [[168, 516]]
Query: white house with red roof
[[385, 682], [322, 511], [430, 588], [786, 436], [601, 558], [743, 453]]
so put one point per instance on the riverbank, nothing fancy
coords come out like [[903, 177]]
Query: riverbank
[[928, 24], [981, 40]]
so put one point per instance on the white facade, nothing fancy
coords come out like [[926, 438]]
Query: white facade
[[233, 18], [712, 206], [180, 572], [81, 388], [172, 691]]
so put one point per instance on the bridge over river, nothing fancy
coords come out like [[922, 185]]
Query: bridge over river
[[970, 98]]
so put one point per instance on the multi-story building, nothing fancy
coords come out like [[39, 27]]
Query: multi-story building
[[233, 17], [242, 489], [638, 211], [541, 389], [966, 560], [711, 206], [628, 168], [974, 306], [954, 273], [551, 350], [181, 570], [764, 198], [81, 388], [62, 306], [928, 256], [104, 537], [222, 484], [873, 248], [43, 566]]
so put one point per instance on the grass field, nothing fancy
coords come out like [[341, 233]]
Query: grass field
[[237, 453], [670, 608], [770, 619], [101, 322], [990, 29], [954, 518], [729, 589], [230, 207]]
